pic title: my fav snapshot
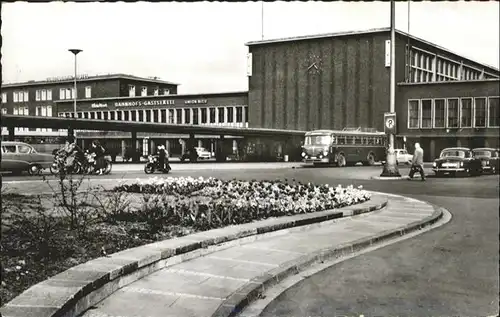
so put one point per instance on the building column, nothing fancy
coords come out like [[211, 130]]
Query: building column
[[244, 119], [234, 116], [486, 142], [167, 145], [144, 115], [226, 116], [220, 153], [191, 146], [124, 148], [152, 146], [175, 116], [200, 143], [191, 116], [183, 116], [459, 142], [135, 146], [208, 115], [199, 115], [12, 133], [217, 115], [433, 149]]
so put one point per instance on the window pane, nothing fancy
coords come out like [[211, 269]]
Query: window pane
[[239, 114], [187, 116], [141, 116], [221, 115], [163, 114], [493, 111], [195, 116], [439, 113], [170, 116], [466, 113], [179, 116], [426, 113], [203, 115], [148, 115], [38, 95], [230, 114], [212, 115], [452, 113], [413, 106]]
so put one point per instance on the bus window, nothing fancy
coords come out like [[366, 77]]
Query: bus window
[[341, 140], [349, 140], [358, 140], [378, 140]]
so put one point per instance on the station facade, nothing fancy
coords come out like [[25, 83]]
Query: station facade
[[338, 80], [326, 81]]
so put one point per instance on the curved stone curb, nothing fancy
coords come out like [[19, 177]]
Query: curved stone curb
[[79, 288], [254, 289], [392, 178]]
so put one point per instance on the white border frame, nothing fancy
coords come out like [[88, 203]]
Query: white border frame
[[471, 112], [408, 114]]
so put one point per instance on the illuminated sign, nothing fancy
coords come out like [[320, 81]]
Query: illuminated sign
[[138, 103], [195, 101], [99, 105]]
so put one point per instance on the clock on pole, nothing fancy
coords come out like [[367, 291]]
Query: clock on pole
[[390, 123]]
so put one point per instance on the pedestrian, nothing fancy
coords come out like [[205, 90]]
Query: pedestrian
[[417, 163], [161, 156], [99, 151]]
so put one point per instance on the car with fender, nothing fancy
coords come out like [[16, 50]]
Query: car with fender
[[489, 159], [457, 160], [18, 157], [402, 156], [201, 153]]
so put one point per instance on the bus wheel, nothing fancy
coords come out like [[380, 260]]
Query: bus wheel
[[341, 162], [370, 159]]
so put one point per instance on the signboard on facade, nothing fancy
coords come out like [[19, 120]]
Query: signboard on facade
[[388, 53], [99, 105], [249, 64], [139, 103], [195, 101], [390, 123]]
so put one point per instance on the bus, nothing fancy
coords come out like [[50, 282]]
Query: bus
[[344, 147]]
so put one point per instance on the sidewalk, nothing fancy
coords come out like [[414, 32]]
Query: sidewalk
[[220, 282], [177, 166]]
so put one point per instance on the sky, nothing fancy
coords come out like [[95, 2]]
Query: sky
[[202, 45]]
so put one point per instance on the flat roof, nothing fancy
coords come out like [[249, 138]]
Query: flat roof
[[71, 79], [197, 95], [363, 32]]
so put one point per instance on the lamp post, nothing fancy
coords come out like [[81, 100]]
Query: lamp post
[[75, 52], [390, 166]]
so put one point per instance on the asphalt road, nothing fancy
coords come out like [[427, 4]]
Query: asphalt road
[[452, 270]]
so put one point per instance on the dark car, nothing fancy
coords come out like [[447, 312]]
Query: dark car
[[457, 160], [489, 159]]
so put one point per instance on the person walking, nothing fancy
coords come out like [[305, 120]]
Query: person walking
[[417, 163]]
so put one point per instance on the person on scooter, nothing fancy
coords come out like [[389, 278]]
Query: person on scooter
[[98, 150]]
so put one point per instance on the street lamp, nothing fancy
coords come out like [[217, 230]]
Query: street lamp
[[390, 166], [75, 52]]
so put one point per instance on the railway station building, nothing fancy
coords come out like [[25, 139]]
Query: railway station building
[[326, 81], [337, 80]]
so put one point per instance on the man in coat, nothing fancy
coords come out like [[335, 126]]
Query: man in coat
[[417, 163]]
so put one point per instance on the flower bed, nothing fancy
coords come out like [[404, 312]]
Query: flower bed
[[211, 203], [40, 240]]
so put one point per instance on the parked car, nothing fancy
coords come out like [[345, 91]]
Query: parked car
[[18, 157], [489, 159], [402, 156], [201, 153], [457, 160]]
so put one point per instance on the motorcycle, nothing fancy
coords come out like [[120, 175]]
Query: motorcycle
[[61, 162], [153, 165], [89, 164]]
